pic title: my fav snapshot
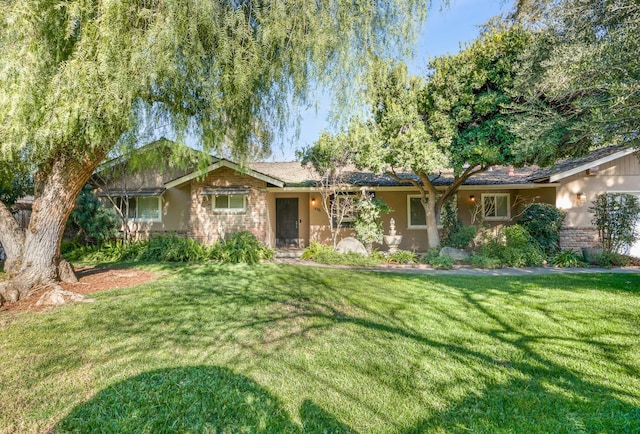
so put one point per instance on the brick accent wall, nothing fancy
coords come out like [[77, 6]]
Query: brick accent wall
[[209, 226], [576, 238]]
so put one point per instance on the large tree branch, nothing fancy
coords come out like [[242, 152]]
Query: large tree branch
[[12, 239], [459, 180]]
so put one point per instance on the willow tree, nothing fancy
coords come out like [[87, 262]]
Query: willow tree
[[78, 76]]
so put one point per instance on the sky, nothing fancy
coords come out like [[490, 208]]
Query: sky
[[445, 31]]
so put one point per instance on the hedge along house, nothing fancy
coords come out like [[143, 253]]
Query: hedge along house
[[280, 202]]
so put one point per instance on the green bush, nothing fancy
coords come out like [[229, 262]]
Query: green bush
[[612, 259], [616, 216], [314, 249], [461, 238], [482, 261], [442, 262], [567, 259], [324, 254], [402, 257], [95, 222], [244, 247], [543, 222], [429, 255], [239, 247], [513, 246]]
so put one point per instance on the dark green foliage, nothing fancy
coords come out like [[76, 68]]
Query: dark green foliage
[[514, 247], [461, 238], [239, 247], [95, 222], [616, 216], [612, 259], [243, 247], [15, 182], [482, 261], [432, 257], [442, 262], [567, 259], [324, 254], [403, 257], [429, 255], [543, 221]]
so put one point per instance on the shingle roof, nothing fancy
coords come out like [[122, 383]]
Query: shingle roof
[[294, 174], [569, 164]]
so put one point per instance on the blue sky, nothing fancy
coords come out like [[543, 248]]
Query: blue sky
[[444, 32]]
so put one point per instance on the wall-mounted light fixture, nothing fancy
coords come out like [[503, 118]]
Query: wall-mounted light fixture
[[581, 197], [313, 201], [472, 198]]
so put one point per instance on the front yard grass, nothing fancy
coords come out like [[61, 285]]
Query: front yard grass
[[277, 348]]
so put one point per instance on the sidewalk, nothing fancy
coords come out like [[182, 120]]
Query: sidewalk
[[465, 270]]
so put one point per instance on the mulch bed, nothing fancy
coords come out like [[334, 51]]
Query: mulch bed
[[90, 280]]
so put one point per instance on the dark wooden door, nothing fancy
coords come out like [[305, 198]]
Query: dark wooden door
[[287, 222]]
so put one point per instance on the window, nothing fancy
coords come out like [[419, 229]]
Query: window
[[229, 201], [496, 206], [415, 213], [143, 208], [343, 204]]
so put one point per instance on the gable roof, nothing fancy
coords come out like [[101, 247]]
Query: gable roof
[[229, 164], [571, 166]]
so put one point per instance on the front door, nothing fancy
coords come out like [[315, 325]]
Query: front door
[[287, 222]]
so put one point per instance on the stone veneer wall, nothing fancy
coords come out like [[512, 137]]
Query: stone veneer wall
[[576, 238], [209, 226]]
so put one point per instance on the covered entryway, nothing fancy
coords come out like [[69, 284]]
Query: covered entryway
[[287, 222]]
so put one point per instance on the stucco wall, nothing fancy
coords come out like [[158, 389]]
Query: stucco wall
[[622, 175], [209, 226]]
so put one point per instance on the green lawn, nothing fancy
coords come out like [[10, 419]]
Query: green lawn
[[274, 348]]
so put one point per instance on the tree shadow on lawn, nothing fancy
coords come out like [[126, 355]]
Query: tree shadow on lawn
[[192, 399], [241, 306], [536, 404]]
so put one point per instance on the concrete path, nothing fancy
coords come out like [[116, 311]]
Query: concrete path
[[466, 270]]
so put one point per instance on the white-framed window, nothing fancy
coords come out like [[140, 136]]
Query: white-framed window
[[496, 206], [141, 208], [229, 202], [416, 217]]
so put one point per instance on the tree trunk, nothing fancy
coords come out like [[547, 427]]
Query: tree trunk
[[432, 215], [38, 261], [12, 239]]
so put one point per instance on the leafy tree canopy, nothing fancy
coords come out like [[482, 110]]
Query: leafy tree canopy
[[78, 74], [580, 78]]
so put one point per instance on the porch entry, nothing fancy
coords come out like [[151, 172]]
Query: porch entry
[[287, 223]]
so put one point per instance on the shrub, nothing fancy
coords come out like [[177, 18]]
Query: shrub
[[324, 254], [612, 259], [543, 222], [429, 255], [462, 238], [482, 261], [244, 247], [442, 262], [239, 247], [368, 226], [403, 257], [95, 222], [616, 216], [513, 246], [567, 259], [451, 223], [314, 249]]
